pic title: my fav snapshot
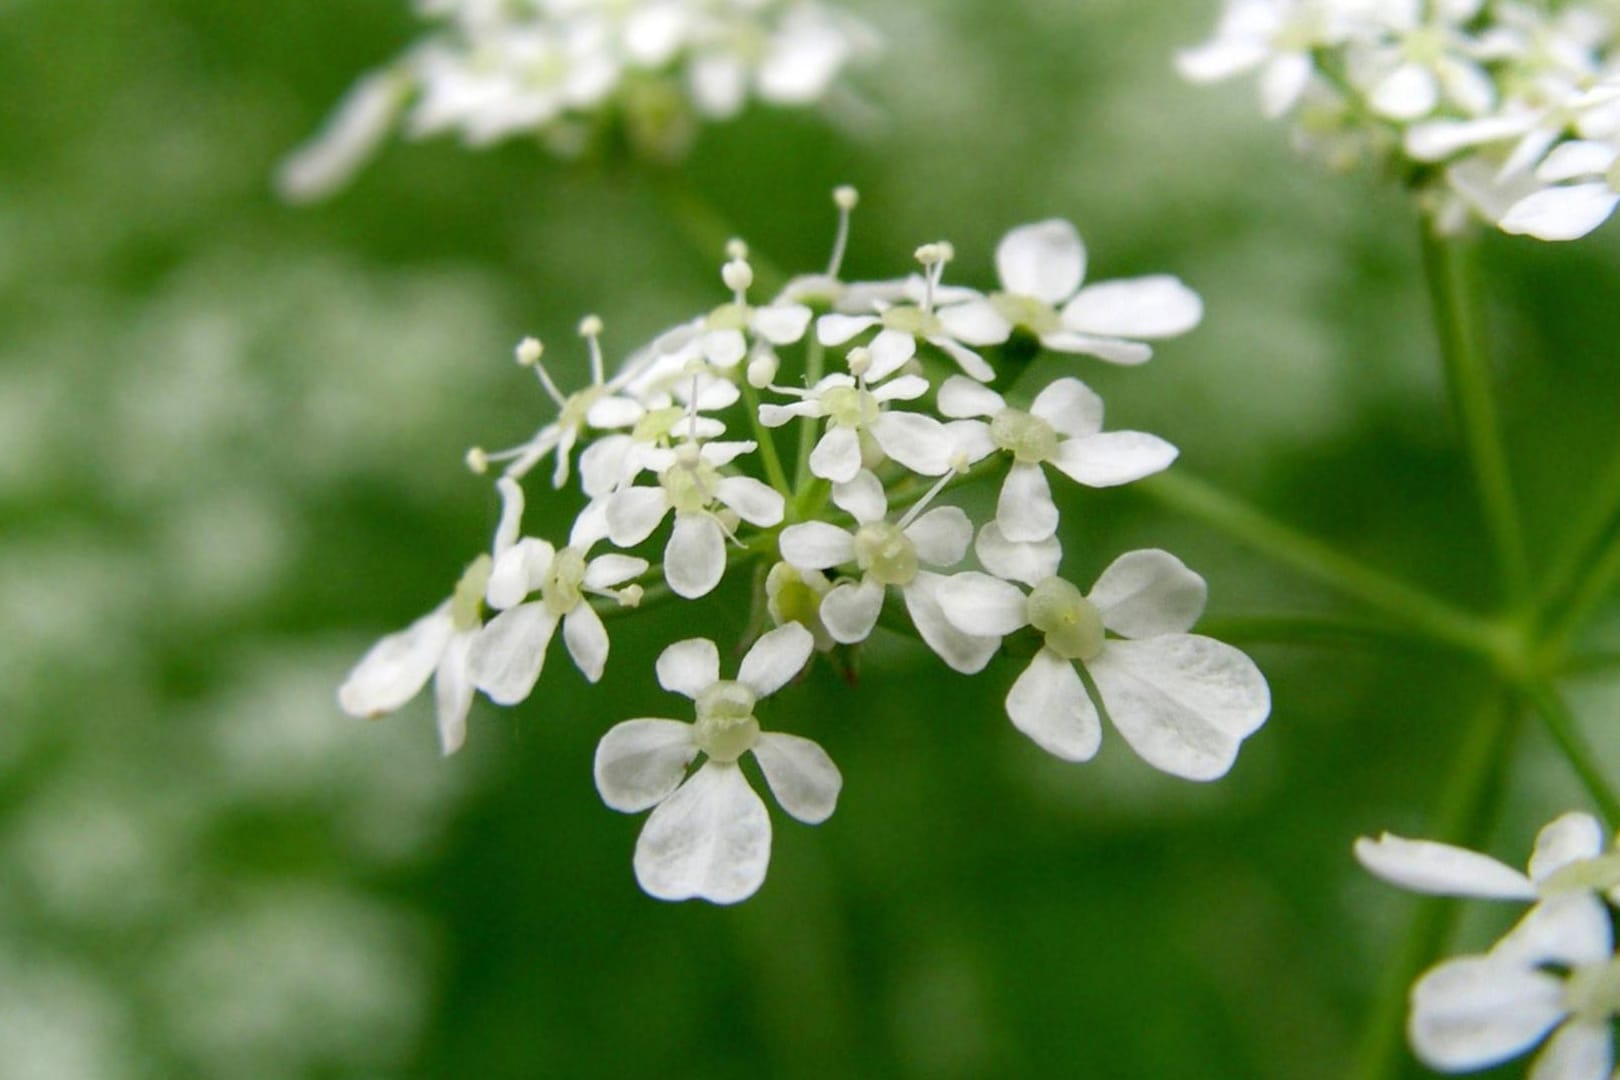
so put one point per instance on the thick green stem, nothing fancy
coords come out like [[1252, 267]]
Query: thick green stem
[[1560, 722], [1454, 295], [1403, 603], [1598, 526], [1590, 593], [1460, 817]]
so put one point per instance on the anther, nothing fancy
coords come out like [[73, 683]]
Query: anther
[[477, 460], [736, 249], [859, 360], [762, 369], [846, 197], [528, 351]]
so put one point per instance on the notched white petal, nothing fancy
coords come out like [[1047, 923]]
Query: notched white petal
[[639, 762], [1147, 593], [776, 658], [802, 777], [710, 840], [689, 667], [1048, 702], [396, 667]]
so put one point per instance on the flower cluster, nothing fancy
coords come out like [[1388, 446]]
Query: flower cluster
[[1554, 974], [857, 535], [563, 70], [1504, 110]]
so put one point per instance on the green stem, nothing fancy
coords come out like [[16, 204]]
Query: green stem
[[1589, 594], [1405, 604], [1460, 817], [815, 358], [1454, 294], [1600, 523], [774, 473], [1560, 722], [1587, 663]]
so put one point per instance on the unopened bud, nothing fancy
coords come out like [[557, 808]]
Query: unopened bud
[[845, 197], [528, 351], [762, 369]]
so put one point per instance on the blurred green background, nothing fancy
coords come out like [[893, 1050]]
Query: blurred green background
[[230, 443]]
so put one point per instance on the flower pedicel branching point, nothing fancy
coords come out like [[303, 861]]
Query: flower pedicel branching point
[[883, 443]]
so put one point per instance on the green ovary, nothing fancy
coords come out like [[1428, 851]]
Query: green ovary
[[850, 407], [656, 424], [467, 604], [1593, 993], [726, 728], [914, 321], [1071, 623], [886, 554], [1036, 316], [690, 487], [1028, 438], [728, 317], [561, 588]]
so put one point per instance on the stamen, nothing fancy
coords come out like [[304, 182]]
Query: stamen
[[845, 198], [738, 276], [922, 503], [477, 461], [590, 328], [859, 361], [736, 248]]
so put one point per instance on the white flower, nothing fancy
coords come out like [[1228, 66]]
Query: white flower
[[1555, 969], [1568, 856], [855, 409], [901, 325], [1184, 702], [888, 554], [721, 337], [1062, 428], [509, 652], [690, 484], [1584, 179], [1041, 267], [435, 646], [794, 595], [1277, 37], [709, 835], [1429, 58], [602, 405]]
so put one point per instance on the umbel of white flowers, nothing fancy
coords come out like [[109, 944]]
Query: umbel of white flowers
[[863, 524], [1553, 979], [1498, 109], [563, 70]]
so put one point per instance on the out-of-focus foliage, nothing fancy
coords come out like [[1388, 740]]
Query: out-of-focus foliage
[[230, 442]]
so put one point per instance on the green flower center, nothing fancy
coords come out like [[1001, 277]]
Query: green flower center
[[1028, 438], [791, 598], [1592, 994], [914, 321], [1600, 874], [1036, 316], [467, 602], [690, 485], [886, 554], [726, 728], [656, 424], [728, 317], [561, 588], [1071, 623], [850, 406], [577, 406]]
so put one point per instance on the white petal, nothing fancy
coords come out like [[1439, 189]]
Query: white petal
[[1070, 406], [837, 456], [587, 640], [1025, 511], [453, 692], [724, 348], [755, 502], [962, 397], [1045, 260], [1578, 160], [1155, 306], [590, 528], [775, 416], [850, 611], [510, 652], [862, 498], [1439, 139], [606, 571], [689, 667], [639, 762], [1467, 85], [837, 329], [695, 557], [1578, 1051], [816, 545], [633, 514], [1147, 593], [1183, 702], [1570, 930], [776, 658], [918, 442], [1571, 838], [604, 465], [1113, 350], [970, 440], [904, 388], [1561, 213], [608, 413], [1220, 58], [517, 572], [1474, 1012], [362, 119], [1030, 563], [781, 324], [977, 603], [723, 453], [1283, 82], [801, 775], [975, 323], [890, 350], [396, 667], [1410, 92], [710, 839], [511, 523], [966, 359], [1440, 869], [942, 535], [1048, 703], [1111, 458], [967, 653]]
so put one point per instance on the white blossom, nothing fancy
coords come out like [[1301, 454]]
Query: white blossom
[[1184, 702], [1583, 179], [888, 554], [1063, 428], [1041, 267], [1276, 37], [709, 835]]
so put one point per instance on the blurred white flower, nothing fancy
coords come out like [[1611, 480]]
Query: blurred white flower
[[709, 835]]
